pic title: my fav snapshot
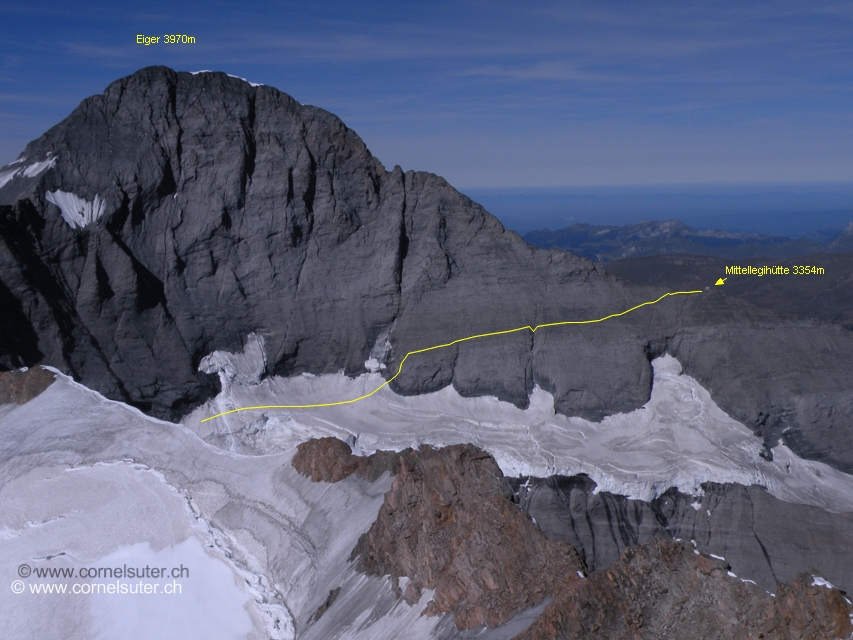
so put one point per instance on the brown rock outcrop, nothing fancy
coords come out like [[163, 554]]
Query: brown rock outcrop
[[665, 590], [325, 460], [331, 460], [18, 387], [449, 524]]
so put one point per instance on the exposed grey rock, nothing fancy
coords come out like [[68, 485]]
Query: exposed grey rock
[[763, 539], [205, 209], [447, 524], [843, 241], [825, 297]]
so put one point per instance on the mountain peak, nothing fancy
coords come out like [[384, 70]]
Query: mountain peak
[[162, 128]]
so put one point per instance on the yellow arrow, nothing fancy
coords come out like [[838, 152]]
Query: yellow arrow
[[721, 281]]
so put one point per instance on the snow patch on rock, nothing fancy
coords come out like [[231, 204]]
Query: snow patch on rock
[[373, 365], [253, 84], [76, 211], [28, 171], [817, 581], [244, 368]]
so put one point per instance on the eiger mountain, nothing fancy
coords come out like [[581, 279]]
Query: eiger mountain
[[181, 225], [219, 209]]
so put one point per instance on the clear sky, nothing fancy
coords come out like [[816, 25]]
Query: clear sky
[[489, 94]]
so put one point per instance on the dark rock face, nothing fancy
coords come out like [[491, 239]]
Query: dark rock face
[[18, 387], [176, 213], [448, 524], [665, 590], [230, 209], [763, 539]]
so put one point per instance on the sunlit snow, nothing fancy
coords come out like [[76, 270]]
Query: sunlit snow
[[76, 211], [254, 84], [680, 438], [87, 480], [210, 603], [28, 171], [820, 582]]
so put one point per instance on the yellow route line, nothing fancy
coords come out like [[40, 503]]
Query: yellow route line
[[450, 344]]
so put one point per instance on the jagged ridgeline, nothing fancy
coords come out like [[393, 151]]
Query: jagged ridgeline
[[176, 213]]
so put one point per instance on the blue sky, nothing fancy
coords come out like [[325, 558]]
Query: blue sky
[[490, 94]]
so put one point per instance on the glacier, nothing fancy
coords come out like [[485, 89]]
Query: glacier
[[88, 480], [679, 438]]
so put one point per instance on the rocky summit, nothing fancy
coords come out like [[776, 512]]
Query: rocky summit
[[177, 213]]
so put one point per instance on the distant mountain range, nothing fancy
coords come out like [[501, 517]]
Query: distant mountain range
[[825, 297], [611, 242]]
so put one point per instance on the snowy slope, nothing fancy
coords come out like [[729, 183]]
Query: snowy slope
[[88, 482]]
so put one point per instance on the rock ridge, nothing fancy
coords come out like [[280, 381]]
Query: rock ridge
[[739, 523], [449, 524], [665, 589], [331, 460]]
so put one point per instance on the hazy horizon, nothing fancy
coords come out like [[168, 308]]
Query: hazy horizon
[[792, 209]]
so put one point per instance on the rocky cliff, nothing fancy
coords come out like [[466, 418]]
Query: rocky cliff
[[449, 524], [667, 590], [735, 522], [175, 214]]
